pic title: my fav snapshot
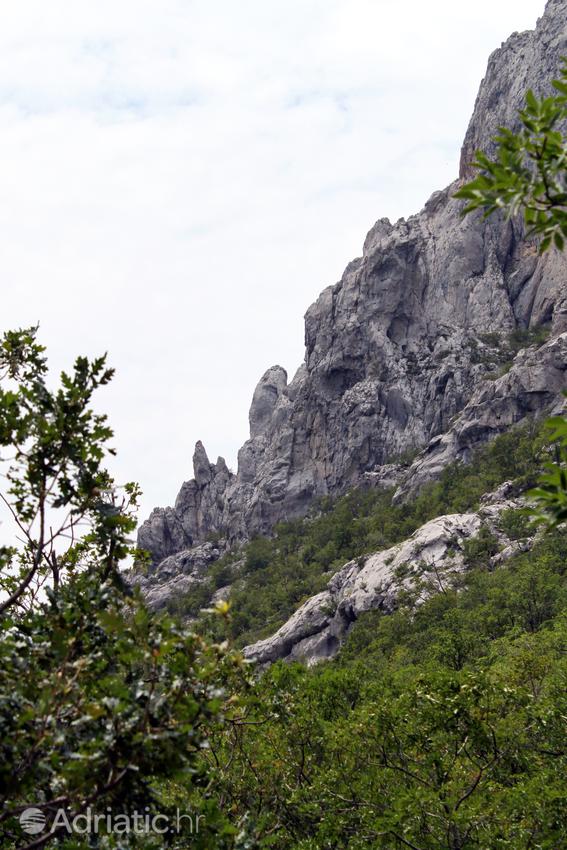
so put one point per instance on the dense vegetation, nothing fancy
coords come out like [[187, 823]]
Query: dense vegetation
[[441, 726], [437, 727]]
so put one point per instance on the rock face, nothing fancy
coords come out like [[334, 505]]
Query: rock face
[[399, 351], [175, 575], [523, 62], [423, 564], [533, 383]]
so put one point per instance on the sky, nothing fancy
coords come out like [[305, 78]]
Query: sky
[[180, 179]]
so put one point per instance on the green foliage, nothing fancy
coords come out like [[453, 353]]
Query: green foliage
[[550, 495], [492, 339], [529, 173], [100, 701], [437, 726], [526, 337], [258, 553], [440, 726], [479, 549], [517, 523]]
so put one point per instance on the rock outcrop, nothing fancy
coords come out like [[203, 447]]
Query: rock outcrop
[[175, 575], [533, 383], [422, 565], [404, 352]]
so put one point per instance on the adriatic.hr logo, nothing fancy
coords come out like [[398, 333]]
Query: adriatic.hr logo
[[88, 822]]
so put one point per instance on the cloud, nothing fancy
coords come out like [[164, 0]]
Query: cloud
[[179, 179]]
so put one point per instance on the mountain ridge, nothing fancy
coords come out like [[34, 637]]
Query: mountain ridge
[[406, 352]]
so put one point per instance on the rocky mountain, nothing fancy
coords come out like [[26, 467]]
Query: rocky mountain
[[445, 332]]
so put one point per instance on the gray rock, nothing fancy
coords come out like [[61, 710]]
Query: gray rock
[[533, 383], [221, 595], [424, 564], [193, 562], [385, 477], [159, 595], [522, 62], [265, 400], [175, 575], [396, 353]]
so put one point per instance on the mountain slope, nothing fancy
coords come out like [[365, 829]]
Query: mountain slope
[[424, 564], [415, 347]]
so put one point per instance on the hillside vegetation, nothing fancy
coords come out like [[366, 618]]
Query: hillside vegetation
[[441, 726], [273, 576]]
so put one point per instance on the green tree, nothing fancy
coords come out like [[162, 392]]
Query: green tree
[[100, 701]]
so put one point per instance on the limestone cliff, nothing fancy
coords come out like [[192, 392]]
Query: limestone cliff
[[408, 351]]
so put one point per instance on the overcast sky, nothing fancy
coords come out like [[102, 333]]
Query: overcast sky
[[179, 180]]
